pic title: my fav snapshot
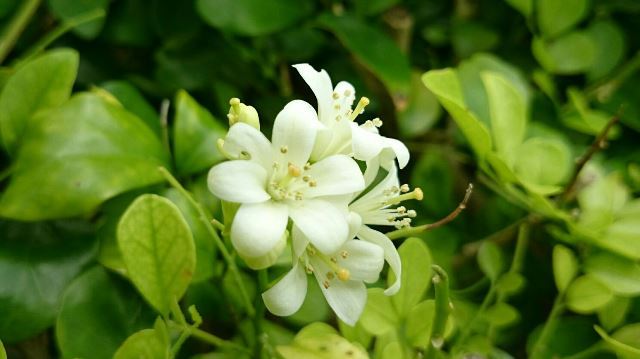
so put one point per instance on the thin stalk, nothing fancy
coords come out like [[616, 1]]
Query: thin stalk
[[540, 346], [65, 27], [466, 331], [590, 352], [214, 235], [412, 231], [262, 342], [442, 310], [16, 26], [206, 337]]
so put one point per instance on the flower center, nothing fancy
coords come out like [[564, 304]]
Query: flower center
[[336, 271], [289, 182], [400, 217]]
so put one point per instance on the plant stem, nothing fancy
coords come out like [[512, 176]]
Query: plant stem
[[204, 218], [588, 353], [598, 144], [16, 26], [412, 231], [214, 340], [540, 346], [442, 311], [65, 27], [601, 90], [466, 331]]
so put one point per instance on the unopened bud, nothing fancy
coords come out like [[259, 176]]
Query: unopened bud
[[239, 112]]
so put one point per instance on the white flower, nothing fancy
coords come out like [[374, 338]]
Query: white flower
[[340, 275], [339, 133], [379, 206], [274, 181]]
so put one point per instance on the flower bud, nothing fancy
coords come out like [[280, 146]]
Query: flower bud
[[239, 112]]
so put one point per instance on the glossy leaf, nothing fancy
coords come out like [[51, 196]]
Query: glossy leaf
[[379, 315], [586, 294], [158, 250], [98, 312], [555, 17], [570, 54], [69, 9], [3, 353], [37, 262], [613, 314], [253, 17], [621, 275], [195, 134], [624, 342], [416, 275], [147, 343], [79, 155], [542, 164], [565, 267], [41, 83], [374, 49], [134, 102], [422, 110]]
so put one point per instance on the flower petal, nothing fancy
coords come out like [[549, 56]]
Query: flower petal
[[299, 242], [347, 299], [355, 222], [372, 200], [390, 254], [245, 138], [401, 151], [238, 181], [364, 260], [258, 228], [368, 143], [346, 93], [287, 296], [321, 222], [268, 259], [320, 84], [295, 130], [335, 175]]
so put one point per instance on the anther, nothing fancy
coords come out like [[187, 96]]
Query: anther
[[377, 122], [359, 108], [330, 275], [284, 149], [347, 93], [412, 213], [335, 95], [344, 254], [312, 183], [404, 188], [299, 196], [306, 178], [326, 284], [294, 171], [343, 274], [309, 269], [334, 259], [307, 166], [245, 155]]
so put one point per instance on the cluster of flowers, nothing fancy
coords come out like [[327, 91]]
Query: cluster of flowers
[[309, 173]]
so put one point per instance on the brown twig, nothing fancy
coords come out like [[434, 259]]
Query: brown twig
[[409, 231], [599, 143]]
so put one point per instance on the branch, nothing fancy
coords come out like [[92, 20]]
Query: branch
[[409, 231]]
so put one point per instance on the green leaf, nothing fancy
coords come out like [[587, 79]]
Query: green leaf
[[490, 260], [622, 237], [601, 200], [565, 267], [435, 174], [510, 283], [469, 37], [158, 250], [147, 343], [37, 262], [253, 17], [69, 9], [624, 341], [571, 335], [42, 83], [98, 312], [195, 134], [586, 294], [570, 54], [3, 353], [610, 43], [416, 275], [134, 102], [621, 275], [614, 313], [555, 17], [320, 341], [446, 86], [501, 315], [374, 49], [542, 164], [524, 6], [78, 155], [419, 323], [379, 315], [508, 115], [422, 111], [395, 350]]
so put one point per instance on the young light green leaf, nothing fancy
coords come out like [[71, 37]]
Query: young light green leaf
[[416, 275], [158, 250], [508, 115], [195, 134], [385, 59], [420, 321], [510, 283], [320, 341], [41, 83], [570, 54], [134, 102], [624, 342], [500, 315], [565, 267], [253, 17], [613, 314], [620, 274], [99, 310], [446, 86], [490, 260], [542, 163], [147, 343], [586, 295], [395, 350], [555, 17], [379, 315], [77, 156], [37, 262], [3, 353]]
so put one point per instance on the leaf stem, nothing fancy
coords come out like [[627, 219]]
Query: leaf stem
[[16, 26], [442, 311], [208, 337], [204, 218], [540, 346], [466, 331], [411, 231]]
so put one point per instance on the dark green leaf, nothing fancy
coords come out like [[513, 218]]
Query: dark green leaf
[[555, 17], [134, 102], [69, 9], [76, 156], [570, 54], [147, 343]]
